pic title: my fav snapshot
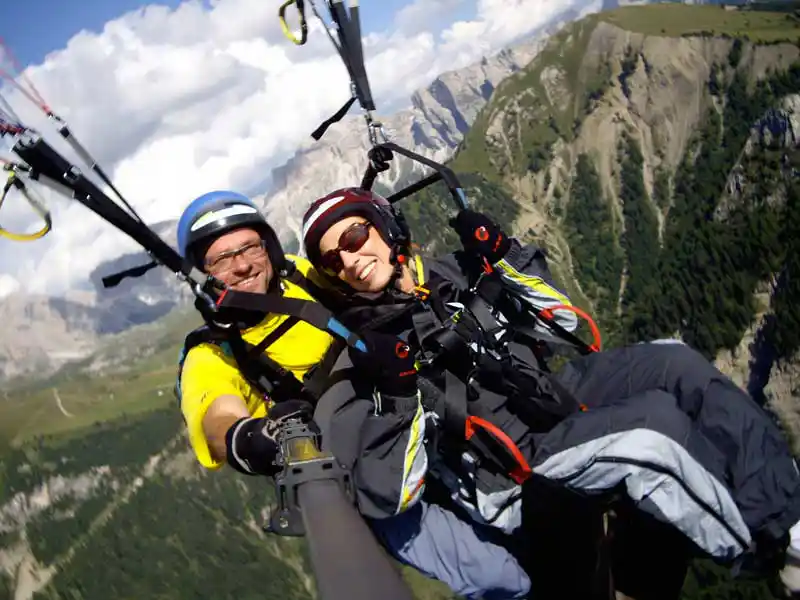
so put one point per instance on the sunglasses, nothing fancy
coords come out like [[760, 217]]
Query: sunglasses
[[352, 240]]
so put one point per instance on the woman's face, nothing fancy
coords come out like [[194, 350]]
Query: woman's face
[[355, 252]]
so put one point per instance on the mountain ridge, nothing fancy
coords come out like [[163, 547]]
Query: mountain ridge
[[434, 125], [143, 300]]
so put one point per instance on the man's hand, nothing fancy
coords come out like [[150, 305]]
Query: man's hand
[[252, 444], [389, 362], [481, 235]]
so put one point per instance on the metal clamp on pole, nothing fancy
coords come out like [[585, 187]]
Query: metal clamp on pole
[[315, 497], [303, 463]]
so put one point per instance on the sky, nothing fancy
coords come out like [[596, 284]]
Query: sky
[[176, 98]]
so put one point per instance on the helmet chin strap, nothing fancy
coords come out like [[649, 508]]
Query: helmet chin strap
[[398, 259]]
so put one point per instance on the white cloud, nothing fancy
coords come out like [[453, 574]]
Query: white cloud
[[421, 13], [176, 102], [8, 285]]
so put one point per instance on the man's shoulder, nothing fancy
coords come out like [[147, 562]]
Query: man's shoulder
[[205, 346], [309, 272], [303, 264]]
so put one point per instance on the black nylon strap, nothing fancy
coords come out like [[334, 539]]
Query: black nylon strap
[[483, 314], [306, 310], [454, 413], [260, 370], [334, 118], [317, 379], [274, 335]]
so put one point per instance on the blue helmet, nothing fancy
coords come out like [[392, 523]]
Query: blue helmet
[[215, 213]]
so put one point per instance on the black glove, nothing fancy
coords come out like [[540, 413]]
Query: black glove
[[252, 444], [389, 362], [767, 555], [481, 235]]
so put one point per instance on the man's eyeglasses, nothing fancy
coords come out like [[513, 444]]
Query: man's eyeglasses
[[352, 240], [226, 261]]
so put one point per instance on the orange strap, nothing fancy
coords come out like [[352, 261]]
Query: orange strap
[[547, 313], [522, 470]]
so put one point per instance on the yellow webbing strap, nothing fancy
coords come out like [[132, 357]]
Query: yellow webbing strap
[[303, 25], [420, 270], [421, 291], [14, 181]]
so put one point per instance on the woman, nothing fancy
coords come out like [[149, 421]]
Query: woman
[[653, 430]]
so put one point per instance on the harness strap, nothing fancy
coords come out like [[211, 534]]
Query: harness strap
[[259, 369], [486, 438], [453, 408], [274, 335], [311, 312], [265, 374], [518, 468], [483, 315], [316, 380], [334, 118]]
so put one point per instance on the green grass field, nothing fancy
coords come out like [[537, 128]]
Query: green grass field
[[28, 414], [678, 19], [30, 409]]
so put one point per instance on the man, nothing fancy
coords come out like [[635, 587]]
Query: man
[[230, 421]]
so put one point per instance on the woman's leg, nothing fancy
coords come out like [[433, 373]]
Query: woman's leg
[[650, 450], [760, 468], [441, 546]]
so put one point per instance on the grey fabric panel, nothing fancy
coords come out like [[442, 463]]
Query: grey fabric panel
[[652, 448], [760, 468], [372, 447], [441, 546]]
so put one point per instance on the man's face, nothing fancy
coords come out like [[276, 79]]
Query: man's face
[[238, 259]]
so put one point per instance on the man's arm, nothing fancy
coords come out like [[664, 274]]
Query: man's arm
[[220, 416], [213, 397]]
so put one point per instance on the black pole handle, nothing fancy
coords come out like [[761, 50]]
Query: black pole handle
[[349, 564]]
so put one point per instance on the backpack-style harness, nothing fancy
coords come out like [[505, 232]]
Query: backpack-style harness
[[270, 378]]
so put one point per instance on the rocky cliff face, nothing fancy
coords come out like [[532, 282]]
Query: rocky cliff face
[[602, 80], [433, 126]]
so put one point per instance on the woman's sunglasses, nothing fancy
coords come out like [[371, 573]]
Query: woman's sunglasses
[[352, 240]]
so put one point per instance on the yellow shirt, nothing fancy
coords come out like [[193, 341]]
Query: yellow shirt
[[209, 373]]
